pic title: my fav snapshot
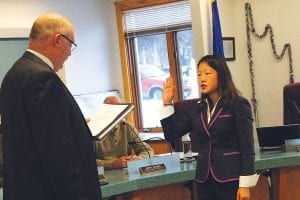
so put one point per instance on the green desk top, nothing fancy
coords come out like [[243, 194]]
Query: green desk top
[[268, 160], [119, 181]]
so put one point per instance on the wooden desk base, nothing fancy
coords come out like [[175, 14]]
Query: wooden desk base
[[261, 190], [176, 191], [286, 183]]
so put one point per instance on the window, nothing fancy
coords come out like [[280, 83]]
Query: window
[[158, 42], [151, 70], [187, 64]]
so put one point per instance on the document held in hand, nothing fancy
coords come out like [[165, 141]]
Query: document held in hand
[[106, 117]]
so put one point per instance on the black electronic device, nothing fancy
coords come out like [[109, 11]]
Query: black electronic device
[[274, 137]]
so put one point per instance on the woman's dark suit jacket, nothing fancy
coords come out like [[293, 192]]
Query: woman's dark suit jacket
[[225, 143], [48, 152]]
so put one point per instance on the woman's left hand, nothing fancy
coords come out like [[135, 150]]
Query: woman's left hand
[[243, 193]]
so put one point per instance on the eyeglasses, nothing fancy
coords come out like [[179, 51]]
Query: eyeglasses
[[73, 44]]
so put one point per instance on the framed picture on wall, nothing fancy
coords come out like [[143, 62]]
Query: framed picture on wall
[[229, 48]]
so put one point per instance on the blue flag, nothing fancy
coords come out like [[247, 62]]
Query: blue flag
[[217, 33]]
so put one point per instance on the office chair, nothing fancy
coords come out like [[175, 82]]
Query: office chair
[[291, 103]]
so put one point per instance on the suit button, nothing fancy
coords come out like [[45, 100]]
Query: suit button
[[77, 172]]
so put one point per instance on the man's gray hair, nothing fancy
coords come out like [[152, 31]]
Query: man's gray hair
[[44, 27]]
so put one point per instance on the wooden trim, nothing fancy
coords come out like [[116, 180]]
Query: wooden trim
[[156, 130], [280, 182], [125, 63], [159, 30], [172, 62], [133, 82], [132, 4]]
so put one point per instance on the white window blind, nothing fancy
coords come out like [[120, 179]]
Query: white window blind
[[162, 17]]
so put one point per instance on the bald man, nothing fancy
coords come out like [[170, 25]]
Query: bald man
[[117, 148], [48, 151], [112, 100]]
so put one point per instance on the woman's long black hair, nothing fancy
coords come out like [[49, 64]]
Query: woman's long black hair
[[226, 87]]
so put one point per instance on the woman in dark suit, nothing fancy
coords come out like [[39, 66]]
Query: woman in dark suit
[[222, 121]]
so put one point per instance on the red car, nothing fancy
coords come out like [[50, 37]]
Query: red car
[[152, 79]]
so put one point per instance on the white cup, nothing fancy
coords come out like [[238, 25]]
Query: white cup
[[100, 170]]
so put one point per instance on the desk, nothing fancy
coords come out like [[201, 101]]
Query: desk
[[120, 183], [285, 168]]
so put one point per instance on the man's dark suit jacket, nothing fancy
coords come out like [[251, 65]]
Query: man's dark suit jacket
[[48, 152], [225, 144]]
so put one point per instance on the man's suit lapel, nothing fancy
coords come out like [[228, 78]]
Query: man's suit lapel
[[30, 56]]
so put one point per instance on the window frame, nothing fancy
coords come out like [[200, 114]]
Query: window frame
[[128, 63]]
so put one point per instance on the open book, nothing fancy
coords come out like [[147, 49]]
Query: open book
[[106, 117]]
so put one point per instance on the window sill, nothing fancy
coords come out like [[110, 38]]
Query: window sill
[[146, 136]]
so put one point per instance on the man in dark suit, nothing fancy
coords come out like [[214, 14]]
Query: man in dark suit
[[48, 153]]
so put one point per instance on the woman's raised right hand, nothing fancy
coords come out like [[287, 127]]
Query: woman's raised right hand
[[168, 92]]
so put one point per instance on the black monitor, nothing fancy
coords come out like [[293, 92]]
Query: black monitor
[[274, 137]]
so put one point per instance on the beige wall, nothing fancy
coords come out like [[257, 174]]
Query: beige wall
[[97, 58], [95, 65], [270, 75]]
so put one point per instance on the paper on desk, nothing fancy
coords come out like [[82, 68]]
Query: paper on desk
[[106, 117]]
